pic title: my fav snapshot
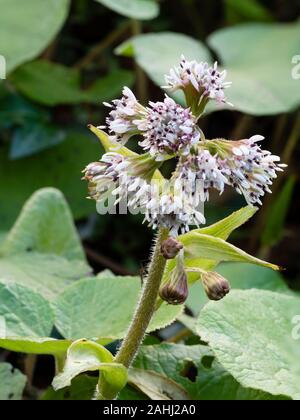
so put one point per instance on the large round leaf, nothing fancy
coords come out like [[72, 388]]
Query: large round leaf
[[103, 308], [26, 28], [251, 333], [258, 58]]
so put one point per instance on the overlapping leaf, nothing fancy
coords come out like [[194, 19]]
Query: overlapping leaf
[[103, 307], [43, 250]]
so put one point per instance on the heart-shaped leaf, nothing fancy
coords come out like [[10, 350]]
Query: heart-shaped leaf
[[103, 308], [253, 336], [43, 250], [45, 225]]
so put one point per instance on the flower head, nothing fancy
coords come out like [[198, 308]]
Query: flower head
[[200, 172], [168, 129], [171, 207], [199, 81], [250, 169], [124, 112]]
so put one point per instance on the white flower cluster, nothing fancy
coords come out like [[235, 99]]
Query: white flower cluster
[[250, 169], [168, 130], [162, 204], [201, 172], [206, 80]]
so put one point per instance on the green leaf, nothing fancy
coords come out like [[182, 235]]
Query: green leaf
[[241, 276], [35, 345], [276, 216], [82, 388], [247, 9], [195, 369], [12, 382], [225, 227], [43, 250], [245, 52], [221, 230], [157, 53], [129, 393], [107, 144], [103, 308], [48, 83], [33, 138], [46, 274], [53, 84], [156, 386], [136, 9], [85, 356], [251, 334], [59, 167], [45, 225], [216, 249], [24, 312], [27, 28]]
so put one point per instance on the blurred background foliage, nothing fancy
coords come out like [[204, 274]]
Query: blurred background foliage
[[64, 58]]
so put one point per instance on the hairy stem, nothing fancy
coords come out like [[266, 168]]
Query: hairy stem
[[146, 305]]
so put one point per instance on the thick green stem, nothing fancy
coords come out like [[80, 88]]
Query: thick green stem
[[146, 305]]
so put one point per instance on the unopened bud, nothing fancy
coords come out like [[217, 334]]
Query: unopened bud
[[175, 291], [215, 286], [170, 248]]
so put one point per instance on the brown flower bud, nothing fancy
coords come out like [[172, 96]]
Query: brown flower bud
[[175, 291], [215, 286], [170, 248]]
